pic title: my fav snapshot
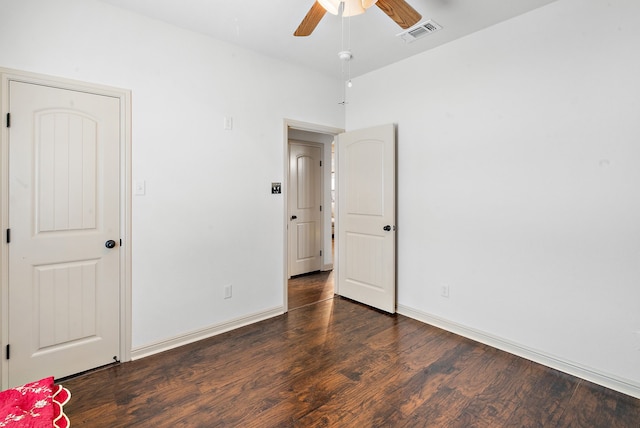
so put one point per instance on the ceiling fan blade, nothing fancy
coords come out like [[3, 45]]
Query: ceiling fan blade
[[311, 20], [400, 11]]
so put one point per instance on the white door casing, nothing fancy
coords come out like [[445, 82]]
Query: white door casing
[[305, 201], [366, 207], [66, 296]]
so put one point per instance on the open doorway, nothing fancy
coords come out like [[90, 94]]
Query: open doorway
[[315, 282]]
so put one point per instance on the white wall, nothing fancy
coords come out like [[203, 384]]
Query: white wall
[[208, 218], [518, 169], [519, 174]]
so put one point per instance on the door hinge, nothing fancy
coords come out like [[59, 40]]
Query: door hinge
[[8, 351], [121, 242], [8, 236], [320, 163], [8, 120], [320, 253], [320, 207]]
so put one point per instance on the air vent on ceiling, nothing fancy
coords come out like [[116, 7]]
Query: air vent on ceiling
[[420, 30]]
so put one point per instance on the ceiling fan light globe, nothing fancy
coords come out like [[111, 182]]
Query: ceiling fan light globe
[[331, 6], [366, 4]]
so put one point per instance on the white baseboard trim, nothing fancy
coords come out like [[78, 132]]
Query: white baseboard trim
[[194, 336], [327, 267], [604, 379]]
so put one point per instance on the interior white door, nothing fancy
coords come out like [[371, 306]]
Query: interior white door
[[64, 186], [305, 216], [366, 216]]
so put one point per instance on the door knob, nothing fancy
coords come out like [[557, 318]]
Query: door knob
[[293, 217], [386, 228], [110, 243]]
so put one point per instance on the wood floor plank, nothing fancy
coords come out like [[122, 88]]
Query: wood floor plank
[[310, 288], [544, 403], [340, 364], [505, 390], [594, 405]]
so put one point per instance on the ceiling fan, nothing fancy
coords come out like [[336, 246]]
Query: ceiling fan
[[398, 10]]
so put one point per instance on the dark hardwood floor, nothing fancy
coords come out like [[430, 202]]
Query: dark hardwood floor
[[341, 364], [310, 288]]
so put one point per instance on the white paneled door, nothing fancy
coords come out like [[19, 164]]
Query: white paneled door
[[64, 160], [367, 216], [305, 196]]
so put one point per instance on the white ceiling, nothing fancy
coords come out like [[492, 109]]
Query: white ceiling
[[267, 26]]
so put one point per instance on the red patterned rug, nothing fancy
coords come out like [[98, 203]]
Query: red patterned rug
[[34, 405]]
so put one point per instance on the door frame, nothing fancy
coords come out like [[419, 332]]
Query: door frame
[[124, 95], [295, 125]]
